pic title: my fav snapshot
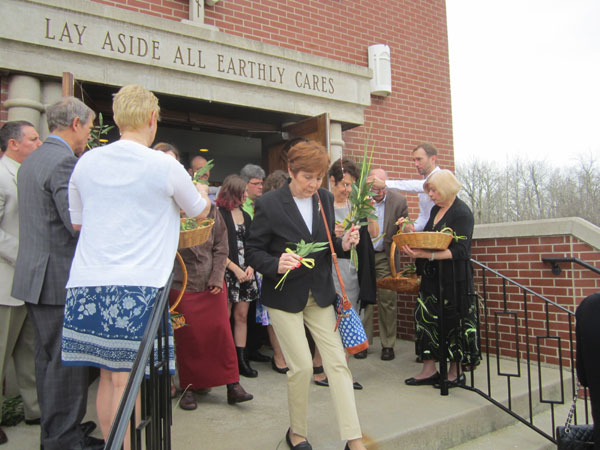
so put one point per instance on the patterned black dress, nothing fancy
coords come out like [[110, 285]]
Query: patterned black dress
[[456, 284]]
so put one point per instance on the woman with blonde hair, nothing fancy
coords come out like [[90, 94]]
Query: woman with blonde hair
[[125, 198], [459, 307]]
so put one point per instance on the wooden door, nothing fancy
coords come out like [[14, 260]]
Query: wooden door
[[314, 128]]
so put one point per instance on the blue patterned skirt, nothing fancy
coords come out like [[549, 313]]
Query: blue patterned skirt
[[104, 326]]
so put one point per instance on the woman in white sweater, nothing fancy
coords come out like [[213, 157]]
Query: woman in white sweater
[[125, 198]]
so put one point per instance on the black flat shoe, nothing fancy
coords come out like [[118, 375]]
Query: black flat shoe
[[278, 369], [433, 379], [256, 356], [304, 445], [324, 382], [316, 371], [357, 386], [460, 381]]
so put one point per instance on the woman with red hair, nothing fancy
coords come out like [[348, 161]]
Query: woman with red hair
[[239, 277]]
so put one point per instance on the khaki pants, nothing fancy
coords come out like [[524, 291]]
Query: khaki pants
[[289, 328], [16, 341], [387, 301]]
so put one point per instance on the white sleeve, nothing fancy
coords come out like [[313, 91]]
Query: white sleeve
[[406, 185], [75, 204], [184, 192]]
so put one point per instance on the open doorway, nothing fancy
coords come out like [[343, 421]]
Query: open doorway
[[230, 135]]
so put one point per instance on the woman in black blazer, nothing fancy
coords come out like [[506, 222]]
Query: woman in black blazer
[[282, 218]]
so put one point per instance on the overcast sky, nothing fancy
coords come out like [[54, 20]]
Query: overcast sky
[[525, 78]]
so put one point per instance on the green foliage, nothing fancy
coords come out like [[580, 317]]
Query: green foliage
[[409, 269], [188, 224], [303, 249], [361, 206], [12, 411], [97, 132], [202, 171]]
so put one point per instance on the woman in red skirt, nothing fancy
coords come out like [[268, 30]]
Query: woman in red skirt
[[205, 351]]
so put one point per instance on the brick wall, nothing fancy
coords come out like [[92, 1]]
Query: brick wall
[[418, 110], [521, 260]]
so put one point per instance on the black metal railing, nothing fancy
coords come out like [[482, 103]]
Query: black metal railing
[[528, 335], [554, 261], [151, 419]]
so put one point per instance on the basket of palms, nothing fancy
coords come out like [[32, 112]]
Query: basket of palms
[[194, 232], [429, 240], [406, 281]]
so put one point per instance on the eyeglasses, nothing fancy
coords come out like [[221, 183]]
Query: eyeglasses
[[255, 183]]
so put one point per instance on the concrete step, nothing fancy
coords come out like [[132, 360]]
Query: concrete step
[[392, 415], [519, 436]]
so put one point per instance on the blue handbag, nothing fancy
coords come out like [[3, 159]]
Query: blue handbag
[[351, 328]]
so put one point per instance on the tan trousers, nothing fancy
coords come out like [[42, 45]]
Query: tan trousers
[[289, 328], [387, 302], [16, 341]]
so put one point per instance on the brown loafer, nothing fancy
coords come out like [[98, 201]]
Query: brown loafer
[[188, 401], [237, 394]]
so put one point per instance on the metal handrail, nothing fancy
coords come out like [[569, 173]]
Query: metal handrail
[[125, 413], [556, 268], [490, 316]]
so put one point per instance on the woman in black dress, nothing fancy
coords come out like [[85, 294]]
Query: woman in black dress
[[456, 285], [239, 276]]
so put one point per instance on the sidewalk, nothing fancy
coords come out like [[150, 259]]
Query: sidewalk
[[392, 415]]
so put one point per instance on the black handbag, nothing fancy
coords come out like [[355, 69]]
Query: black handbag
[[574, 437]]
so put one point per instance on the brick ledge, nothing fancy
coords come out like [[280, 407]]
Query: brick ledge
[[575, 226]]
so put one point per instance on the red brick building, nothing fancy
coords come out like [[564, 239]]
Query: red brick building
[[418, 108]]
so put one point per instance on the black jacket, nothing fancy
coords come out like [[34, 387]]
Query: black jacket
[[277, 224], [231, 233]]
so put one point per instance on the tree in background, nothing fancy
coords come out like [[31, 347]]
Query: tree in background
[[529, 190]]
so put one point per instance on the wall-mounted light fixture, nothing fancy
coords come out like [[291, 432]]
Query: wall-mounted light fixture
[[380, 64]]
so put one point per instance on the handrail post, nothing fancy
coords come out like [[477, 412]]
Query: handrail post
[[443, 347]]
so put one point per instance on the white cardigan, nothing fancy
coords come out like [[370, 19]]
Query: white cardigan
[[127, 197]]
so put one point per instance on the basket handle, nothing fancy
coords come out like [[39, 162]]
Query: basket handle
[[393, 259], [183, 283]]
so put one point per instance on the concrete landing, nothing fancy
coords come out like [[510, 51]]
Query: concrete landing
[[392, 415]]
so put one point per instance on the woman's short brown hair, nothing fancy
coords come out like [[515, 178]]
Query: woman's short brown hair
[[444, 182], [231, 193], [308, 156]]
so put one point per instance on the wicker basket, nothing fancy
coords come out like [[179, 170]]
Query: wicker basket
[[197, 236], [430, 240], [398, 283], [405, 285]]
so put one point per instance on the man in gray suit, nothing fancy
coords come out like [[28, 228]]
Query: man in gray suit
[[47, 246], [390, 205], [17, 140]]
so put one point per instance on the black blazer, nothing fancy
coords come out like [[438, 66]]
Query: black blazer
[[278, 223], [232, 235]]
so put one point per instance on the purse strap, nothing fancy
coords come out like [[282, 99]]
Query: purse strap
[[572, 410], [345, 302]]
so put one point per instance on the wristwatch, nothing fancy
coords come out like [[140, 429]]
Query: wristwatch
[[431, 257]]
